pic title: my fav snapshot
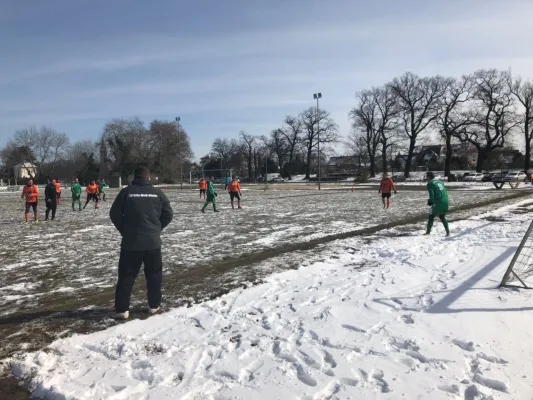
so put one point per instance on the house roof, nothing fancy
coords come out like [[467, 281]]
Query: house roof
[[342, 160]]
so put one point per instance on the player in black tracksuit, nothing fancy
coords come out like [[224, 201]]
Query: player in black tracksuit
[[50, 196], [140, 212]]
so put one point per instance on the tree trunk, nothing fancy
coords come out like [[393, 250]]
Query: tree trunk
[[384, 156], [372, 162], [481, 158], [527, 155], [448, 160], [250, 163], [410, 155], [308, 164], [289, 167]]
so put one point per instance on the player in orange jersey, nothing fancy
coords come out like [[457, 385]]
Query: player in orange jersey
[[30, 194], [385, 188], [234, 190], [58, 191], [203, 187], [92, 194]]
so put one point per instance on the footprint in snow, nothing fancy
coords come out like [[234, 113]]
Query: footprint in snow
[[407, 318], [493, 384], [452, 389], [466, 346], [353, 328]]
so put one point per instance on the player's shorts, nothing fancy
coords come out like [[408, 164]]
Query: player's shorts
[[58, 195], [385, 195], [437, 210], [234, 195], [92, 197], [32, 205], [203, 191]]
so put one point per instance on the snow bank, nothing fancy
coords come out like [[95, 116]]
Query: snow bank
[[400, 317]]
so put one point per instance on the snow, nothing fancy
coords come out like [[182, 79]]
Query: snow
[[395, 315]]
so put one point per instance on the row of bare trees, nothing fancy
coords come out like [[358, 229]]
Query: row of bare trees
[[43, 147], [292, 147], [162, 146], [483, 110]]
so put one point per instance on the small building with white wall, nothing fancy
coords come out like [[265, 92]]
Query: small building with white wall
[[25, 171]]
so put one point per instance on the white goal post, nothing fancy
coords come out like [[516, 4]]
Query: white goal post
[[520, 270]]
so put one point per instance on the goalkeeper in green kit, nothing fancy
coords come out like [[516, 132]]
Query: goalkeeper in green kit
[[438, 200], [76, 194]]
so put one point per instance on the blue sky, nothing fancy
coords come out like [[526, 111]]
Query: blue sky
[[226, 66]]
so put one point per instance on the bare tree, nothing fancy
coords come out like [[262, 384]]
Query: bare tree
[[356, 146], [170, 149], [315, 126], [386, 123], [79, 150], [492, 112], [454, 117], [363, 117], [248, 144], [44, 146], [523, 91], [292, 131], [277, 145], [225, 148], [124, 140], [418, 100]]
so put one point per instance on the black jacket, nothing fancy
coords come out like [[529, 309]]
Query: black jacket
[[50, 193], [140, 212]]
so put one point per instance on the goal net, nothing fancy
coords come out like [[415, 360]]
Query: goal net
[[218, 174], [520, 271]]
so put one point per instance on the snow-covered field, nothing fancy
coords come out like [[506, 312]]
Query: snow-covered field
[[391, 315], [58, 278]]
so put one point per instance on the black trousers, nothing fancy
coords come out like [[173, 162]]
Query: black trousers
[[129, 266], [51, 206]]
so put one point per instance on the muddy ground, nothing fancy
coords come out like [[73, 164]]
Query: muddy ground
[[57, 278]]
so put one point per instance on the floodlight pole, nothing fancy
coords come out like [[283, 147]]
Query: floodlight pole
[[318, 96]]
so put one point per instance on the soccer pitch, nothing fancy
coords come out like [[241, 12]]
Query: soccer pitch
[[58, 277]]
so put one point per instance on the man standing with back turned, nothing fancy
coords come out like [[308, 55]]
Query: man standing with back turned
[[140, 212], [438, 200]]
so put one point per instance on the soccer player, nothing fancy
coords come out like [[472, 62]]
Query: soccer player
[[30, 194], [385, 188], [211, 195], [203, 187], [58, 190], [51, 198], [438, 200], [227, 181], [101, 187], [234, 190], [76, 194], [92, 194]]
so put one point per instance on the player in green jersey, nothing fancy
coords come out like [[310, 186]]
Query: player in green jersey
[[76, 194], [438, 200], [211, 195]]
